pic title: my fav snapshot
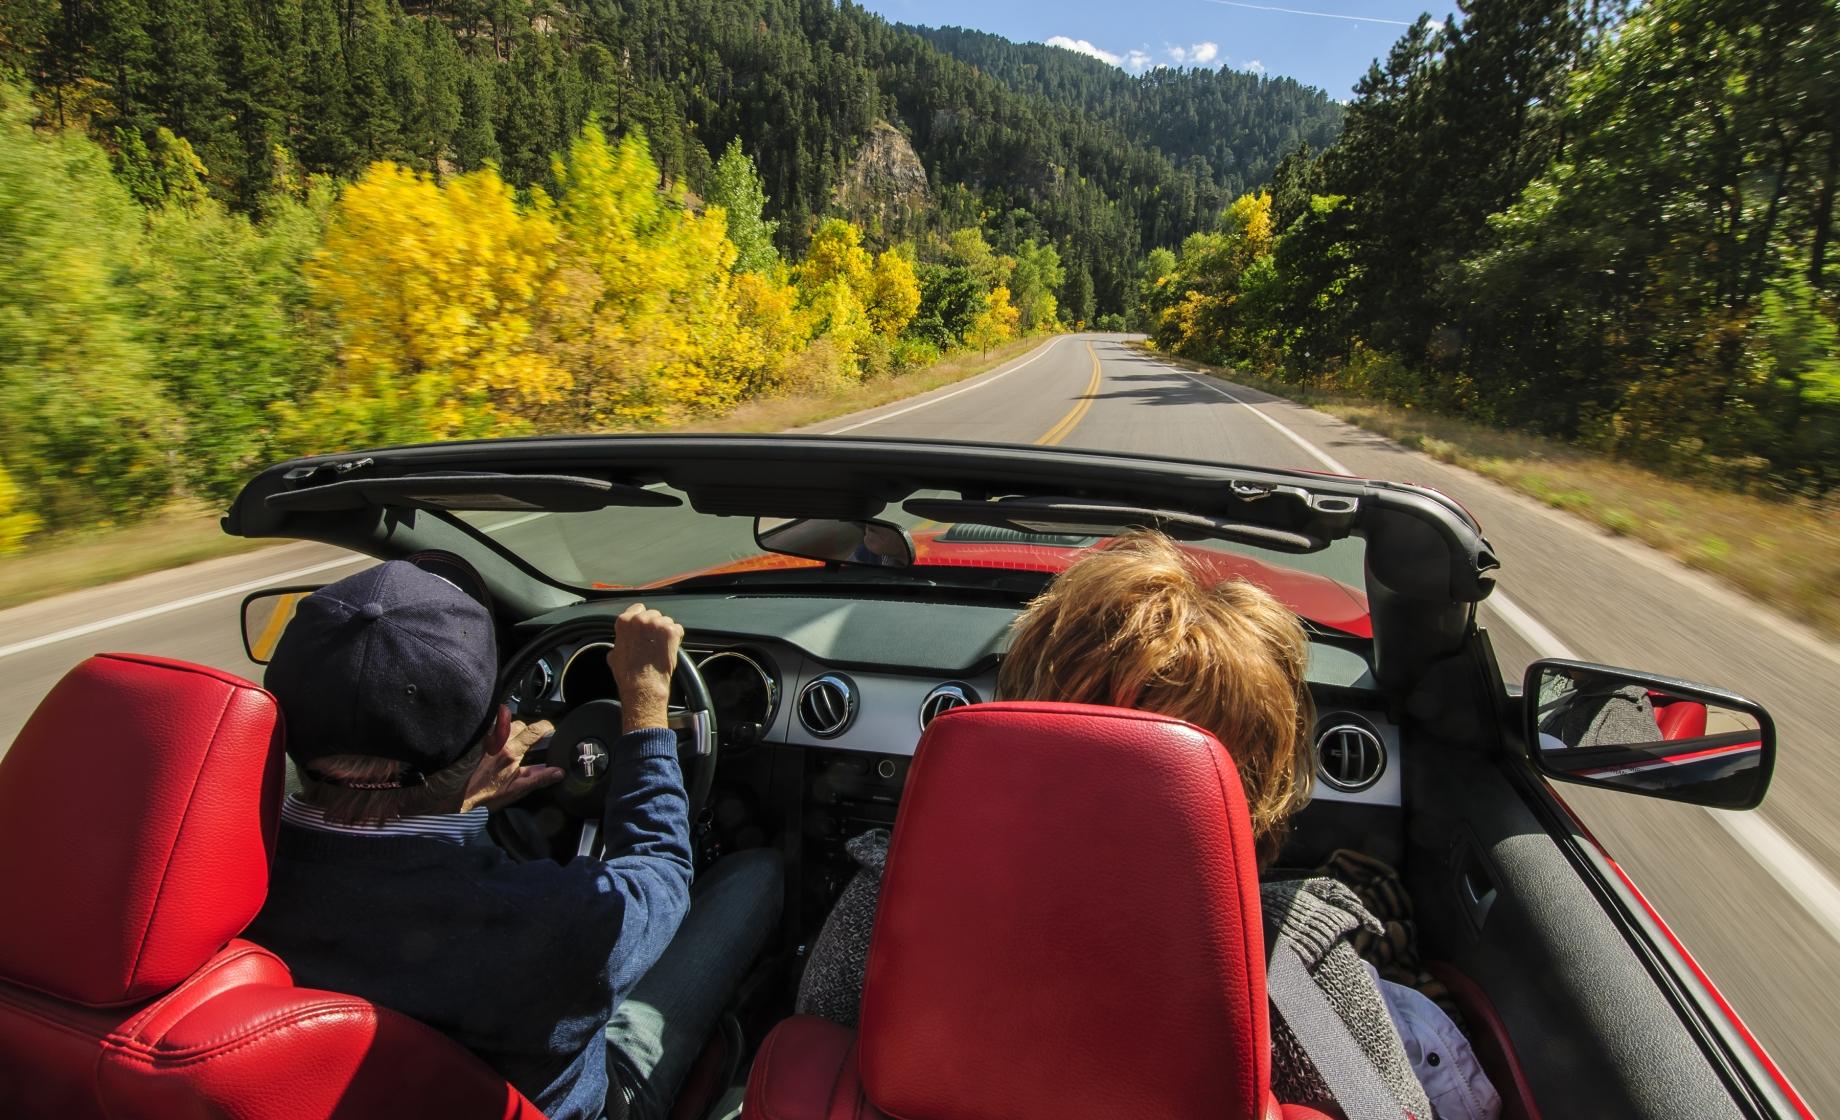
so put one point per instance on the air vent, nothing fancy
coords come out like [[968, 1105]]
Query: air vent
[[827, 705], [1349, 754], [943, 699]]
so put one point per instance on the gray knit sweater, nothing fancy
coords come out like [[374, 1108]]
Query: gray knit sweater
[[1316, 916]]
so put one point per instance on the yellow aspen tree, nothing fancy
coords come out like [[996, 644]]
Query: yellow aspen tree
[[996, 323], [837, 283], [615, 219], [1248, 227], [894, 293], [771, 325], [653, 328], [15, 524], [433, 291], [835, 311], [835, 253]]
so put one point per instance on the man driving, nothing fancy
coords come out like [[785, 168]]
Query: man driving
[[590, 986]]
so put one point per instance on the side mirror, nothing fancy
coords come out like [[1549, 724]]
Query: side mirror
[[1597, 726], [266, 615], [874, 543]]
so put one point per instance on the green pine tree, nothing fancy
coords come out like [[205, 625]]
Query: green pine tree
[[475, 143]]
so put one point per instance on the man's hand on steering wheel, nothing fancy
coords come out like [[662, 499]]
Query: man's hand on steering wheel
[[643, 656], [501, 778], [648, 665]]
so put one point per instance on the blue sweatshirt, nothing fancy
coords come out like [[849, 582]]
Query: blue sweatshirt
[[522, 963]]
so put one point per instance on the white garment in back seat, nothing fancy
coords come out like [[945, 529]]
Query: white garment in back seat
[[1441, 1056]]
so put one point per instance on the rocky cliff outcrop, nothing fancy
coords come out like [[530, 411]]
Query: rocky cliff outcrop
[[884, 188]]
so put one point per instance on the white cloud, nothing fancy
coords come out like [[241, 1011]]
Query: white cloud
[[1137, 59], [1195, 54], [1081, 46], [1253, 66]]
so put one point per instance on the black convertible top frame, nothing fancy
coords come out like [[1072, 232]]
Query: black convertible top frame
[[1426, 559]]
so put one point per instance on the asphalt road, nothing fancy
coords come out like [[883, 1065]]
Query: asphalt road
[[1753, 895]]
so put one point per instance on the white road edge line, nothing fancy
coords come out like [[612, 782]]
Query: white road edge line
[[1322, 457], [1806, 881], [145, 613], [979, 384], [1544, 641], [1801, 878], [175, 605]]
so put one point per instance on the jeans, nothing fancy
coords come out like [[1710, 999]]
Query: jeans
[[657, 1032]]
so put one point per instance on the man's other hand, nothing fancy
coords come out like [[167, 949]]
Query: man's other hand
[[643, 657], [501, 778]]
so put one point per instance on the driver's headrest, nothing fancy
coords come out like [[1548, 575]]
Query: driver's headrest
[[1069, 924], [137, 818]]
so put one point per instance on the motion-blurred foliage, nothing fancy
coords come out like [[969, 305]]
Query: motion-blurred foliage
[[1548, 217], [85, 431], [154, 343]]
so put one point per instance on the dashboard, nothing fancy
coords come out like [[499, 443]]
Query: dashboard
[[855, 681]]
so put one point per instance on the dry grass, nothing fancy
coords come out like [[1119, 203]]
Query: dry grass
[[797, 410], [72, 561], [1784, 553], [187, 533]]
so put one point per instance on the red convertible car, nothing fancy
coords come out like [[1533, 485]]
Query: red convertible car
[[846, 604]]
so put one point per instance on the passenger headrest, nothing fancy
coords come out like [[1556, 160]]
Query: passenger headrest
[[1069, 924], [137, 818]]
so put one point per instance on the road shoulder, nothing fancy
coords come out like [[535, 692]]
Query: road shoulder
[[1774, 559]]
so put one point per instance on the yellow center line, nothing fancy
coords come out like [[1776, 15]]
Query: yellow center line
[[278, 617], [1072, 420]]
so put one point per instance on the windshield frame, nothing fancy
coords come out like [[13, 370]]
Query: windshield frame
[[1312, 588]]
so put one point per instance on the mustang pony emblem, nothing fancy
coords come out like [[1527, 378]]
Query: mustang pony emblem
[[590, 758]]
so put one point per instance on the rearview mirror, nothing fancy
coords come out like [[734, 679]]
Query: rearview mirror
[[874, 543], [1598, 726], [266, 615]]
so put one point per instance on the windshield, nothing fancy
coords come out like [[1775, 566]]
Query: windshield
[[627, 547]]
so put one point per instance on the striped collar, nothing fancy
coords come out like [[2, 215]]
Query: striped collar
[[455, 828]]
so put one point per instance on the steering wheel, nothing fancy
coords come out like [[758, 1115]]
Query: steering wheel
[[586, 735]]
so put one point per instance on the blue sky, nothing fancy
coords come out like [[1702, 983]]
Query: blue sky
[[1324, 43]]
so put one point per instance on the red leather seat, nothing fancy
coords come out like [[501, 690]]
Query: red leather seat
[[1069, 928], [137, 816], [1679, 719]]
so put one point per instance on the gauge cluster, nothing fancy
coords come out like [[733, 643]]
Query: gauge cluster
[[586, 675], [743, 685]]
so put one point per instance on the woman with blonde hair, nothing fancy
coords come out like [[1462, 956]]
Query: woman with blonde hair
[[1136, 623]]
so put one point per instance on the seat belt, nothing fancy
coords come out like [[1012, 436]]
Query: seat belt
[[1332, 1049]]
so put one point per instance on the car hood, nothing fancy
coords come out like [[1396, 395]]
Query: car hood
[[1317, 598]]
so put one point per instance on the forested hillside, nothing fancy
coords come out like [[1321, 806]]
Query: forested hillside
[[1237, 124], [1545, 215], [267, 89], [239, 229]]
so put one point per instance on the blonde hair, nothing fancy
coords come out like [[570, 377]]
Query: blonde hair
[[1136, 624]]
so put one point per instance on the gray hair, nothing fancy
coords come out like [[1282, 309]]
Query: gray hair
[[440, 793]]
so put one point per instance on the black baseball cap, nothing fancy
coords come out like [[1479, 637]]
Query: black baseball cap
[[393, 662]]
